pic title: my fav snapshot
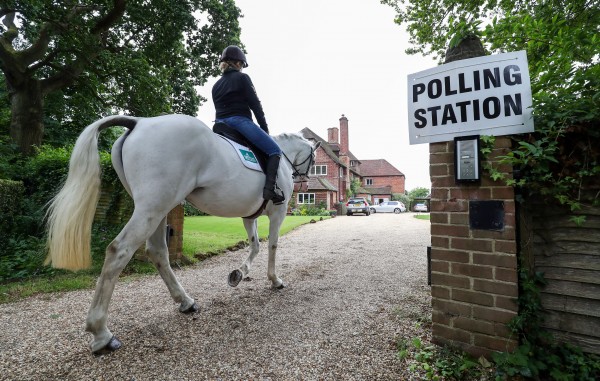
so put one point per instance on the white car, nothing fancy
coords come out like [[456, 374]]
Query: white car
[[388, 207], [420, 207]]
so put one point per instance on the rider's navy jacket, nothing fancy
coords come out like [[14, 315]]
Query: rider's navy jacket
[[234, 95]]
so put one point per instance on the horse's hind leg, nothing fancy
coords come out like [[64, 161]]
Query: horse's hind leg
[[158, 252], [237, 275], [118, 254]]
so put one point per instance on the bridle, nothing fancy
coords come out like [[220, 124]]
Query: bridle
[[303, 177]]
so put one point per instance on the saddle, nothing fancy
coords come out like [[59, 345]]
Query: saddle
[[227, 132]]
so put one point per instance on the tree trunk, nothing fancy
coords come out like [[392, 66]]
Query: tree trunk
[[27, 116]]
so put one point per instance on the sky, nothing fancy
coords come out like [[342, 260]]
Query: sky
[[313, 60]]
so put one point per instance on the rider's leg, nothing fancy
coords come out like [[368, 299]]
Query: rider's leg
[[265, 143]]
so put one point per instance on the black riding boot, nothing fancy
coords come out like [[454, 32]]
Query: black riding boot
[[269, 189]]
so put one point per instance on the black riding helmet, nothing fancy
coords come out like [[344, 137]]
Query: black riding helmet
[[234, 53]]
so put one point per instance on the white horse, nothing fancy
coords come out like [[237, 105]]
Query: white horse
[[162, 161]]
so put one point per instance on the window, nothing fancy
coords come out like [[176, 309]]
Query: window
[[341, 172], [318, 170], [352, 163], [369, 181], [306, 198]]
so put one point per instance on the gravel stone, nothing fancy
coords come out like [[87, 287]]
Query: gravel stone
[[355, 285]]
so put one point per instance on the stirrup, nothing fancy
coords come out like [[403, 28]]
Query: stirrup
[[271, 194]]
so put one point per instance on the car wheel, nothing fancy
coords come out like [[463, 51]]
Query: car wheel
[[373, 210], [348, 214], [368, 213], [397, 211]]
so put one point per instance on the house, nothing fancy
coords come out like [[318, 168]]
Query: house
[[336, 167]]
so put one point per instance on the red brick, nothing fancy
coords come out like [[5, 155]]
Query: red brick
[[439, 170], [495, 343], [471, 244], [473, 325], [449, 280], [438, 147], [507, 234], [459, 219], [471, 193], [438, 218], [439, 193], [496, 287], [437, 241], [440, 292], [509, 247], [503, 193], [493, 314], [449, 230], [473, 297], [506, 275], [506, 303], [442, 181], [451, 308], [474, 271], [440, 317], [451, 333], [450, 255], [440, 266], [441, 158], [498, 260]]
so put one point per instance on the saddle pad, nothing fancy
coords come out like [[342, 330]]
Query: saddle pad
[[245, 154]]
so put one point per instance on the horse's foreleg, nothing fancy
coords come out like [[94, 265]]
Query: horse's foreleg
[[118, 254], [252, 230], [158, 252], [274, 225]]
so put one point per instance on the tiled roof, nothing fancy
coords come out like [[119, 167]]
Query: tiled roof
[[379, 190], [320, 183], [378, 167]]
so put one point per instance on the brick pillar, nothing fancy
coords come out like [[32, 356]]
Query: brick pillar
[[175, 223], [474, 283]]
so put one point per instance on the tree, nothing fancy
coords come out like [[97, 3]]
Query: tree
[[86, 57], [562, 41]]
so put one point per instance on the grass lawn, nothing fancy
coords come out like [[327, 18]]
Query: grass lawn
[[204, 236], [420, 216]]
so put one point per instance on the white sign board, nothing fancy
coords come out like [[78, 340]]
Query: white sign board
[[488, 95]]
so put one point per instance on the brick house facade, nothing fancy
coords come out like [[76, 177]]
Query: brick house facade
[[336, 167]]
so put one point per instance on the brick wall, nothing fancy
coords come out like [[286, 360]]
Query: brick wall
[[473, 272]]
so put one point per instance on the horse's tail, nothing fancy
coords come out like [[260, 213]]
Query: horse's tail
[[71, 212]]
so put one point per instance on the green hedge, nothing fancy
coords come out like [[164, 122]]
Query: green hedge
[[11, 196]]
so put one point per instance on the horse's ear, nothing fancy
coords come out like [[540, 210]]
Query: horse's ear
[[317, 145]]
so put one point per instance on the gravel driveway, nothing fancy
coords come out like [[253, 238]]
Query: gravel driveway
[[354, 286]]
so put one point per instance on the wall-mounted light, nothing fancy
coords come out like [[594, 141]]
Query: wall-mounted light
[[466, 159]]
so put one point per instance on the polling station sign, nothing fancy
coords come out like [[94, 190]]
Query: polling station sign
[[488, 95]]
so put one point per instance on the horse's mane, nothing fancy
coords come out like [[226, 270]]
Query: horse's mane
[[290, 136]]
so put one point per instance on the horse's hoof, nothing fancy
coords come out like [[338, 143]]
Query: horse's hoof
[[191, 309], [234, 278], [280, 287], [113, 345]]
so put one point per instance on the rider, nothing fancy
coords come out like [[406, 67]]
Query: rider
[[234, 96]]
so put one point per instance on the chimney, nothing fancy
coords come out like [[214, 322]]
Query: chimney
[[344, 145], [333, 135]]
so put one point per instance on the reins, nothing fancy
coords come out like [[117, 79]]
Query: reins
[[303, 176]]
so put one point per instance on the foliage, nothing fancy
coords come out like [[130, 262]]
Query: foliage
[[311, 210], [539, 356], [91, 58], [354, 187], [432, 362], [560, 161], [419, 192], [190, 211]]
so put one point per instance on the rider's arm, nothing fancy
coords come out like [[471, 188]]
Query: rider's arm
[[255, 104]]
